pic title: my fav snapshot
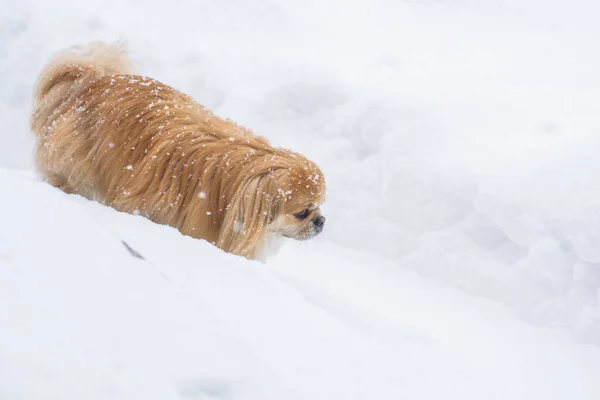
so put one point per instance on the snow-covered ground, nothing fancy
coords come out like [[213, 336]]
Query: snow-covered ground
[[460, 260]]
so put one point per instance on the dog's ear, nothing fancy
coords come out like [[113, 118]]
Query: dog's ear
[[254, 206]]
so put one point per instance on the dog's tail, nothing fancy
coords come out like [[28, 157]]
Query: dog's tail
[[69, 73]]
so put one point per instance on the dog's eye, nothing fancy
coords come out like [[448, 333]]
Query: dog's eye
[[302, 214]]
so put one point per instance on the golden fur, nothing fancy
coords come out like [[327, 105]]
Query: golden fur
[[140, 146]]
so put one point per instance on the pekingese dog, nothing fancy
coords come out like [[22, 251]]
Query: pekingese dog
[[142, 147]]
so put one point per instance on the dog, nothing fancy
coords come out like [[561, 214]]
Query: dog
[[142, 147]]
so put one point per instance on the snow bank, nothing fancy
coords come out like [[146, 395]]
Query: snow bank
[[84, 318]]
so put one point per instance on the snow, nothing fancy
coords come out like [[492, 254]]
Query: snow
[[460, 145], [182, 320]]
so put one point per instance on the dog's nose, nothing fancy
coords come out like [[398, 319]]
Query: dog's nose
[[319, 222]]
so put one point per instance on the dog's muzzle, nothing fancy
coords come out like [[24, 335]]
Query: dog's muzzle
[[319, 223]]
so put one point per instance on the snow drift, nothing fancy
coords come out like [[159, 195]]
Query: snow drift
[[85, 318]]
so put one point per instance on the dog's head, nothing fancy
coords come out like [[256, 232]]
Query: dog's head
[[302, 192], [279, 193]]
